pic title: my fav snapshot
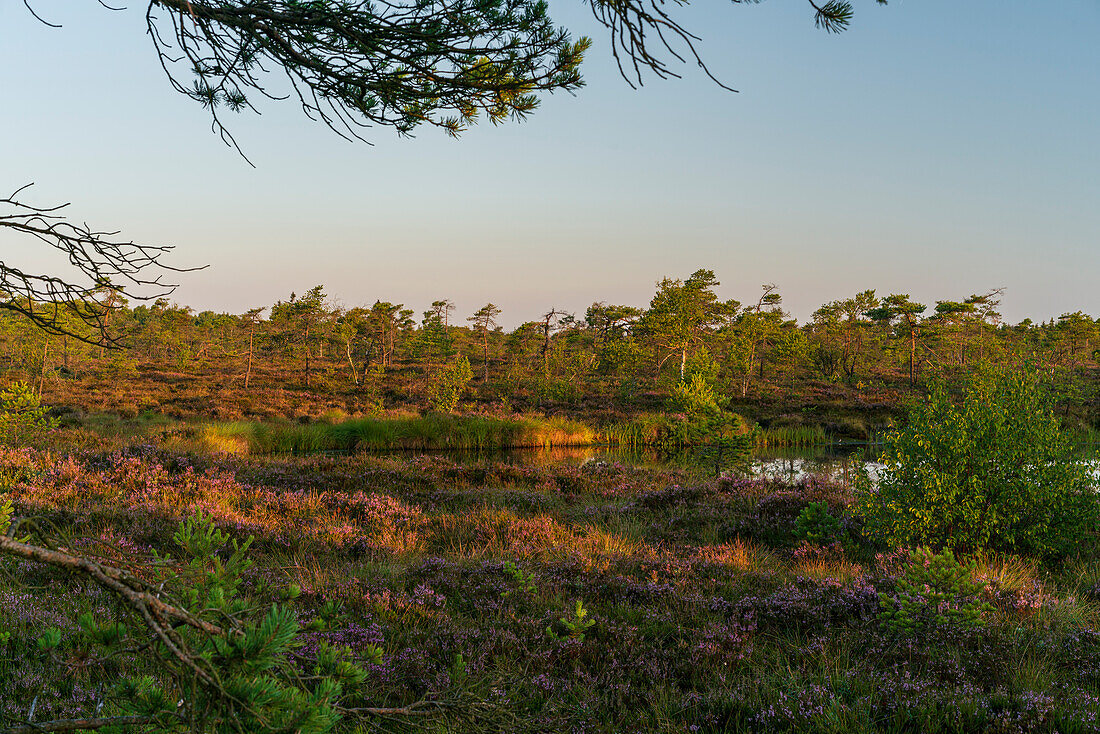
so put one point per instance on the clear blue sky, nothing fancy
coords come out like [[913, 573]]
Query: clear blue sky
[[936, 148]]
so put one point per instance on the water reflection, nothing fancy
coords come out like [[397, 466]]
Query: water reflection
[[838, 461]]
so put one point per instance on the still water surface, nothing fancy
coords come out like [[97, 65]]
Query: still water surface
[[836, 460]]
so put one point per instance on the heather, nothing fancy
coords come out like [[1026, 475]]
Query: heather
[[602, 597]]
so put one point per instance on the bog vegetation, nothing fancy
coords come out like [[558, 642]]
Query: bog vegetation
[[218, 575], [845, 373]]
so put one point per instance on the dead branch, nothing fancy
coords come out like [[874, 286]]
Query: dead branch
[[79, 724], [107, 271], [157, 614]]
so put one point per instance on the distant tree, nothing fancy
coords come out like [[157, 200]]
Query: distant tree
[[551, 321], [434, 342], [841, 327], [250, 320], [963, 323], [484, 321], [303, 317], [1073, 339], [680, 314], [381, 323], [350, 327], [443, 310], [610, 322], [754, 328], [615, 344], [898, 308], [987, 316], [448, 384]]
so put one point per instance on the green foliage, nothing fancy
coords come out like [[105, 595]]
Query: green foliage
[[251, 683], [573, 626], [448, 384], [816, 525], [934, 589], [553, 390], [23, 419], [210, 581], [49, 640], [994, 471], [697, 397], [524, 581], [6, 511], [238, 673], [700, 363], [108, 635]]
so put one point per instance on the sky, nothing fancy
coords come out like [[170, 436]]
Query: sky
[[936, 148]]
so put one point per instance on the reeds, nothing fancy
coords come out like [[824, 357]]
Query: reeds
[[646, 429], [429, 432], [792, 436]]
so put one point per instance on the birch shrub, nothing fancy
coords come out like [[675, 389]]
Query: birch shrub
[[990, 471]]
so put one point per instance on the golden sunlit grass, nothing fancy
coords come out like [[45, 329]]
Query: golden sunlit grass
[[1005, 571], [397, 431], [501, 533], [828, 568], [740, 555]]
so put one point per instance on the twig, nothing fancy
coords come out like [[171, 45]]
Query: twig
[[79, 724]]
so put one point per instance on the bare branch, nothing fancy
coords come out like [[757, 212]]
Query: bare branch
[[79, 724], [157, 614], [108, 271]]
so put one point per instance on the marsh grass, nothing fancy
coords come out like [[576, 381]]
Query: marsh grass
[[791, 436], [428, 432], [1005, 571], [643, 430], [741, 555]]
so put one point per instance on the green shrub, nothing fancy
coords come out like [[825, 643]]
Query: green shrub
[[816, 525], [23, 418], [228, 662], [933, 589], [994, 471], [448, 385], [574, 626], [696, 397]]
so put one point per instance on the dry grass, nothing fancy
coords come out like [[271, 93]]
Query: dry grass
[[1005, 571], [838, 569], [740, 555]]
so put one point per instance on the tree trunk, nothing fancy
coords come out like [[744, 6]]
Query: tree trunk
[[248, 371], [485, 355], [748, 370], [351, 363], [42, 369], [912, 358], [307, 357]]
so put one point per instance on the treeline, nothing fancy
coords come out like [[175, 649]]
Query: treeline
[[619, 354]]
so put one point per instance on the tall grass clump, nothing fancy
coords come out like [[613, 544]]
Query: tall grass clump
[[645, 429], [791, 436], [428, 432]]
